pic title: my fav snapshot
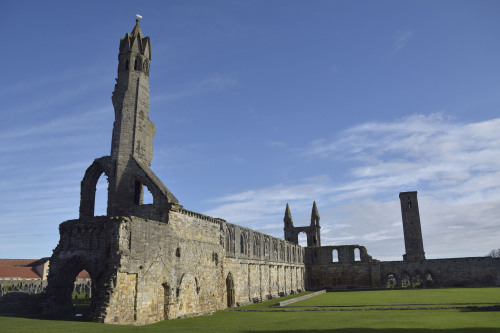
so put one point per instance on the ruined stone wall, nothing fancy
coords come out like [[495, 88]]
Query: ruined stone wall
[[181, 268], [336, 267], [144, 271], [265, 266], [92, 245], [166, 270], [455, 272]]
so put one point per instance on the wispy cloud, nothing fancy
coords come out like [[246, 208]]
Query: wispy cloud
[[453, 165], [433, 150], [402, 39], [277, 144], [213, 84]]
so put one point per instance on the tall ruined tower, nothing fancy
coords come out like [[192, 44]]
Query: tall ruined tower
[[128, 166], [132, 130], [411, 226]]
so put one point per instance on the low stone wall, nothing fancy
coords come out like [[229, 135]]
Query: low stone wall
[[300, 298]]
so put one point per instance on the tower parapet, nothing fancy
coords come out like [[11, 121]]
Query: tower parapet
[[289, 228]]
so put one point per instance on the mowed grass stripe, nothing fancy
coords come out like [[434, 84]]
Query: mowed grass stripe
[[225, 321], [464, 296]]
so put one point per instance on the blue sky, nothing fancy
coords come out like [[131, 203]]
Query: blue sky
[[260, 103]]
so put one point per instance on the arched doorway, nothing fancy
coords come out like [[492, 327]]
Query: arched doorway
[[391, 281], [230, 291], [82, 294], [72, 288], [405, 281], [167, 299], [417, 281]]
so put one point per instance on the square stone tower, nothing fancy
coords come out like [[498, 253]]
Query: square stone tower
[[411, 227]]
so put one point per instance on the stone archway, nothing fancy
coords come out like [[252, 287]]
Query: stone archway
[[61, 284], [230, 291]]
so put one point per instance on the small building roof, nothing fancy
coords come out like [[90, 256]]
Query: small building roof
[[7, 271]]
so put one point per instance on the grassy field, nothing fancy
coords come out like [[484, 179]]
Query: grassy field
[[411, 298], [263, 318]]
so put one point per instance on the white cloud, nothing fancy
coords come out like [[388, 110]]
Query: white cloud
[[402, 39], [213, 84], [431, 150], [277, 144], [455, 167]]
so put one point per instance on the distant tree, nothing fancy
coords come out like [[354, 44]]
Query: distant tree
[[494, 253]]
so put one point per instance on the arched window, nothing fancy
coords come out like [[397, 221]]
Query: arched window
[[142, 197], [256, 247], [242, 244], [391, 281], [335, 255], [302, 238], [101, 196], [357, 255], [417, 281], [137, 64], [405, 281], [167, 300]]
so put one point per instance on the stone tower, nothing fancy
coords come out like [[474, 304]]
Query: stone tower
[[414, 245], [132, 130], [312, 231], [128, 166]]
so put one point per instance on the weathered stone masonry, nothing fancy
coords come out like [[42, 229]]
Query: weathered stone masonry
[[145, 271]]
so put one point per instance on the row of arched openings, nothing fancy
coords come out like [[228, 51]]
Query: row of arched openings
[[273, 247], [406, 280], [138, 65], [356, 254]]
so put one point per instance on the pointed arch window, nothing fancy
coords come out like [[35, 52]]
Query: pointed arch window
[[137, 64]]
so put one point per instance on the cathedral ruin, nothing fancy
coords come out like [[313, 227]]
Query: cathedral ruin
[[152, 262]]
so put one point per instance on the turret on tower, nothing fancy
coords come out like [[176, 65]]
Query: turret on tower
[[315, 228], [289, 228], [314, 215]]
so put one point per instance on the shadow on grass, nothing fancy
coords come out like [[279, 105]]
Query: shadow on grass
[[40, 316], [394, 330], [481, 308]]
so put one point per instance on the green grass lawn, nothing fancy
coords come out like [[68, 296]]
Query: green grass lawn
[[452, 320], [402, 298]]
